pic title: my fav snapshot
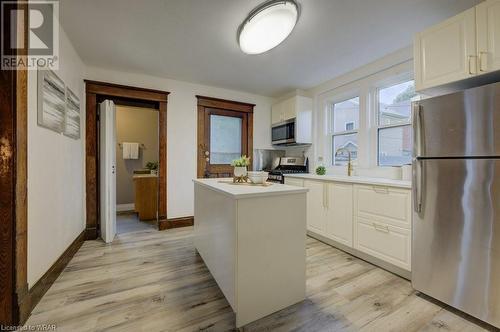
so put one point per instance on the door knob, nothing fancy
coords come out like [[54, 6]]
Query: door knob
[[207, 153]]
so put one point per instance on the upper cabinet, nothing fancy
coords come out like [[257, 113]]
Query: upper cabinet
[[488, 35], [461, 47], [290, 108], [446, 52]]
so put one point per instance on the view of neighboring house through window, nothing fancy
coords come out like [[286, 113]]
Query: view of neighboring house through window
[[394, 124], [345, 125]]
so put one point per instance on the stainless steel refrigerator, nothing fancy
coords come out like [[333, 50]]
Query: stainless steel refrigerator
[[456, 200]]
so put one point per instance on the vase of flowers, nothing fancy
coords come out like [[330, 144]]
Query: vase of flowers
[[152, 166], [240, 166]]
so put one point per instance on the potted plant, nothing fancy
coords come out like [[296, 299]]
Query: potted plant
[[240, 166], [152, 166]]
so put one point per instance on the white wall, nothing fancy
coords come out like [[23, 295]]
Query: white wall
[[56, 188], [181, 128]]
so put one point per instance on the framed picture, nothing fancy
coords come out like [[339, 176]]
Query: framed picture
[[51, 101], [72, 119]]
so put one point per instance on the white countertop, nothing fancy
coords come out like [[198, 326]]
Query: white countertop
[[139, 176], [355, 179], [248, 191]]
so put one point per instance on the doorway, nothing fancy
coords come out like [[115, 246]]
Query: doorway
[[225, 132], [96, 93]]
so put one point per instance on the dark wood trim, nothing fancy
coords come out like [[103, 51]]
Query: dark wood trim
[[13, 180], [162, 175], [124, 91], [91, 185], [206, 103], [175, 223], [45, 282], [225, 104], [121, 95]]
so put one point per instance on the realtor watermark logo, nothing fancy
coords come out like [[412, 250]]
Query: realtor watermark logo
[[42, 49]]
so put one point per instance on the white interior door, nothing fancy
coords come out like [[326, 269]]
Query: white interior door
[[107, 144]]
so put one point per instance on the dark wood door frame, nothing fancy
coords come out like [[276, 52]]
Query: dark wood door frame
[[124, 95], [205, 103], [13, 182]]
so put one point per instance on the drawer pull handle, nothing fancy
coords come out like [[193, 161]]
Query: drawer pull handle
[[380, 228], [380, 190]]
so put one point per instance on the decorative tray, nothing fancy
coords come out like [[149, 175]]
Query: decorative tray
[[265, 184]]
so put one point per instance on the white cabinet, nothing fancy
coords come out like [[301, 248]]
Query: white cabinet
[[290, 108], [371, 219], [329, 210], [461, 47], [446, 52], [316, 206], [488, 35], [294, 182], [339, 225], [382, 226], [277, 114]]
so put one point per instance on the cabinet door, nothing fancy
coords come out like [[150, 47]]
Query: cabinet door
[[290, 108], [316, 206], [339, 226], [488, 35], [389, 243], [446, 52], [294, 182], [276, 113]]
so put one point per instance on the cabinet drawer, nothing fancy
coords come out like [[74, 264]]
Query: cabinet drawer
[[385, 204], [294, 182], [386, 242]]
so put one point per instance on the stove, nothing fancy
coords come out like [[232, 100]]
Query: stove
[[288, 165]]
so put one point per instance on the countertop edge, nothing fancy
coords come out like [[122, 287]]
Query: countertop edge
[[252, 195], [362, 180]]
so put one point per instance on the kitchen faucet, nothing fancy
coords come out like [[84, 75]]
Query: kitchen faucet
[[349, 163]]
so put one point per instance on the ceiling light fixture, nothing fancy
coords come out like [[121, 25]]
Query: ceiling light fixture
[[267, 26]]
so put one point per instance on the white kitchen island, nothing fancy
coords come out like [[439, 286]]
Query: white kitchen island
[[253, 241]]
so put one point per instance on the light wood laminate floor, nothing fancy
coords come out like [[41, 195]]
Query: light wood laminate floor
[[155, 281]]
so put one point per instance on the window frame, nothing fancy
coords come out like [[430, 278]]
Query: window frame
[[331, 125], [376, 110]]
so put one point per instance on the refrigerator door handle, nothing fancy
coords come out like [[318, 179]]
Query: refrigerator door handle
[[418, 145], [417, 185]]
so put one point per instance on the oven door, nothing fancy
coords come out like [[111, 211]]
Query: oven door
[[284, 133]]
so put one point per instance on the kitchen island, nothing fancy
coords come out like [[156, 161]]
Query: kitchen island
[[253, 241]]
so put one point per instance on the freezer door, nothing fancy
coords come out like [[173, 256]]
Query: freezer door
[[456, 235], [457, 125]]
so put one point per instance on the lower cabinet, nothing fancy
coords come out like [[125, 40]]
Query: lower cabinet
[[329, 210], [374, 220], [316, 206], [389, 243], [339, 212], [382, 226]]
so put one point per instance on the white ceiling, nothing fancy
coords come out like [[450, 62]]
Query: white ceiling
[[195, 40]]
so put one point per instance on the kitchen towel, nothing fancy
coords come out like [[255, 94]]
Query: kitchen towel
[[130, 150]]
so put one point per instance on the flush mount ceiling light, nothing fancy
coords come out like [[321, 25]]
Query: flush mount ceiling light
[[267, 26]]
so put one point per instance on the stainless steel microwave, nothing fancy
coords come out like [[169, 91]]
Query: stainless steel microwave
[[292, 132], [284, 132]]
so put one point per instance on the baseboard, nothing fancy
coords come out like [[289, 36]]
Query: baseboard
[[125, 207], [35, 294], [90, 233], [175, 223]]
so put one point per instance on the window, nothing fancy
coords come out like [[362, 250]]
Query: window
[[394, 124], [225, 139], [345, 125]]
